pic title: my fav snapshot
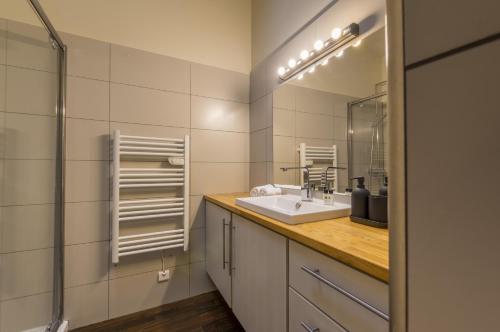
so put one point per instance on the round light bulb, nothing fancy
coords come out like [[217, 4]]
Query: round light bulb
[[336, 33], [325, 62], [301, 76], [281, 71], [304, 54], [312, 69], [357, 43], [338, 55], [318, 44], [292, 63]]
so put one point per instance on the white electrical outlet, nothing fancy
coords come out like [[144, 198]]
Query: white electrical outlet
[[163, 275]]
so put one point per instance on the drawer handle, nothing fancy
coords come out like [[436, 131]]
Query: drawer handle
[[315, 274], [308, 328]]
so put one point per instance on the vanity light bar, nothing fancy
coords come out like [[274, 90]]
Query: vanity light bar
[[321, 52]]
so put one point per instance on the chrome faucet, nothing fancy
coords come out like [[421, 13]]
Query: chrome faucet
[[306, 191], [325, 174]]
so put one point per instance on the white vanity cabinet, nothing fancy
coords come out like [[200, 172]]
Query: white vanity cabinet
[[248, 265], [218, 248], [276, 284], [355, 301], [259, 277]]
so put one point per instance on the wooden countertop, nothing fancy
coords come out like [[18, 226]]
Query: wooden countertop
[[361, 247]]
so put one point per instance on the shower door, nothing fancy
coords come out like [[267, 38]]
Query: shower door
[[367, 141], [31, 179]]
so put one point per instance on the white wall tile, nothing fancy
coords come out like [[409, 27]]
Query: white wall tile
[[314, 125], [28, 182], [41, 87], [3, 72], [3, 40], [258, 174], [87, 222], [148, 262], [209, 178], [87, 57], [18, 278], [261, 113], [219, 83], [284, 97], [26, 312], [87, 140], [29, 136], [87, 181], [87, 99], [258, 146], [197, 207], [199, 281], [148, 130], [147, 106], [197, 245], [219, 146], [85, 305], [314, 101], [284, 122], [136, 67], [140, 292], [216, 114], [86, 263], [27, 227], [29, 46], [285, 150]]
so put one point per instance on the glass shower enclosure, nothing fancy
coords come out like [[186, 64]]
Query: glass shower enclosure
[[32, 92], [367, 140]]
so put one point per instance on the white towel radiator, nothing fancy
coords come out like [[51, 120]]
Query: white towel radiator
[[175, 152], [317, 159]]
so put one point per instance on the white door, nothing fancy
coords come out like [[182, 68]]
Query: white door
[[217, 248], [259, 277]]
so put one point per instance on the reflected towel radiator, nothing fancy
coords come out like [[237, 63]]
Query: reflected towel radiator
[[321, 157], [173, 151]]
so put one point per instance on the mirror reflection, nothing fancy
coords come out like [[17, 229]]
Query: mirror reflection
[[335, 115]]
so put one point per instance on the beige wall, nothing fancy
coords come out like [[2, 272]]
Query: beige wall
[[215, 32], [109, 87], [274, 21]]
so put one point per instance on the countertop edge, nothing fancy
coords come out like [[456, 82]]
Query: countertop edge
[[376, 271]]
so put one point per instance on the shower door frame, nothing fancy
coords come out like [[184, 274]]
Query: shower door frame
[[350, 106], [58, 265]]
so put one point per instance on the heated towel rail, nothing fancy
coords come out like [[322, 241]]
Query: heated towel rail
[[317, 159], [171, 151]]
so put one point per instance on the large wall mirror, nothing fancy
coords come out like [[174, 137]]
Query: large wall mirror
[[335, 114]]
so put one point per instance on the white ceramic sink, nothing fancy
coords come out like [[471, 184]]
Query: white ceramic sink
[[285, 208]]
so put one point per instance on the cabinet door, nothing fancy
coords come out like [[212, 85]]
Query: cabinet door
[[217, 248], [259, 277]]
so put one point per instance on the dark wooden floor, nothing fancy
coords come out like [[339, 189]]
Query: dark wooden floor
[[203, 313]]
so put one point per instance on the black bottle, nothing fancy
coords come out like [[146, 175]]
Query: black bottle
[[383, 190], [359, 199]]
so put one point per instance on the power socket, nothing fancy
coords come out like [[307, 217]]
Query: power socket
[[163, 275]]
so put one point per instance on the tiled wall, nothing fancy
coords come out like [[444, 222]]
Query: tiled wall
[[114, 87], [28, 90], [296, 115]]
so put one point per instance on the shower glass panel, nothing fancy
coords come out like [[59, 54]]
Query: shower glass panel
[[30, 180], [368, 145]]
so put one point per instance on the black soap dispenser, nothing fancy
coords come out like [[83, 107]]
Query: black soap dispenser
[[359, 199], [383, 190]]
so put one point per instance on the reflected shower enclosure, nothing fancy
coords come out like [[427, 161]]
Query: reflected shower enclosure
[[367, 140]]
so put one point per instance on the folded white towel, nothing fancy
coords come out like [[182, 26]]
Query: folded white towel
[[266, 190]]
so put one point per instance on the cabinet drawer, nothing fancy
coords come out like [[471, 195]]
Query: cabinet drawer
[[305, 317], [355, 300]]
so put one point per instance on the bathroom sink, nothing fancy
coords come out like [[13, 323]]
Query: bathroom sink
[[285, 208]]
